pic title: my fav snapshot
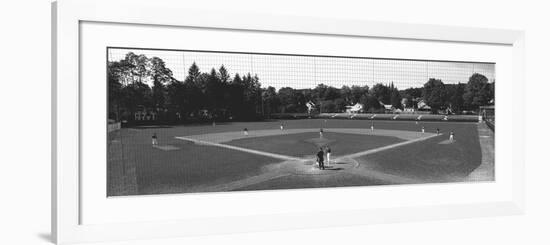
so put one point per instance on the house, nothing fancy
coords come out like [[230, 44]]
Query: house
[[422, 106], [387, 108], [409, 110], [354, 108], [310, 106]]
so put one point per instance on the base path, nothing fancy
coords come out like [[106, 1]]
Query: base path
[[235, 135], [383, 148], [263, 153]]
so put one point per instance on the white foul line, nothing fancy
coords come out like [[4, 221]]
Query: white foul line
[[290, 158], [268, 154], [383, 148]]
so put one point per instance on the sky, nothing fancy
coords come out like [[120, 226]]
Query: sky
[[306, 71]]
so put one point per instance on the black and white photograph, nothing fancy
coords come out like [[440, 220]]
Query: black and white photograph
[[196, 121]]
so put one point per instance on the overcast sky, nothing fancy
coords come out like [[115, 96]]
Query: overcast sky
[[306, 71]]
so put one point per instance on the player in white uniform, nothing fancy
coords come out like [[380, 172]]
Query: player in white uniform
[[328, 155], [452, 136], [245, 131], [154, 139], [423, 129]]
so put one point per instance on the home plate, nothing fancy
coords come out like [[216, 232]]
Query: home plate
[[166, 147]]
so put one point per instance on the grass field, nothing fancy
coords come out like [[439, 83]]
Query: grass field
[[305, 144], [207, 158]]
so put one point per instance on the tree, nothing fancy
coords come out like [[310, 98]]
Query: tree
[[345, 94], [456, 99], [287, 100], [136, 96], [252, 96], [478, 92], [382, 93], [158, 71], [115, 74], [193, 73], [175, 99], [271, 100], [434, 94], [224, 75], [329, 106], [236, 91], [319, 92], [161, 76], [193, 90], [300, 100], [357, 92], [214, 93], [340, 104], [331, 93], [370, 103], [129, 85], [395, 97], [412, 95]]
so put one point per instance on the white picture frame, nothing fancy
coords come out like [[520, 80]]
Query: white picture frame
[[67, 16]]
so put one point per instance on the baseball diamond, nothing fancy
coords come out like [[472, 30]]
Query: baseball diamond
[[188, 159]]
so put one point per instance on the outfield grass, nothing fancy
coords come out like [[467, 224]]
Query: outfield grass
[[433, 160], [175, 171], [187, 166]]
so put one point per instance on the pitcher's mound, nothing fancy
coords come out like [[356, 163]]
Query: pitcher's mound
[[319, 141]]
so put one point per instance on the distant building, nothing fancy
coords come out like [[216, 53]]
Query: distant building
[[357, 108], [409, 110], [310, 106], [387, 108], [422, 106], [144, 115]]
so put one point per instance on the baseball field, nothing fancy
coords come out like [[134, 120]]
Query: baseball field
[[236, 156]]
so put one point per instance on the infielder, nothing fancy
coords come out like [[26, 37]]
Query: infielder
[[154, 139], [328, 156]]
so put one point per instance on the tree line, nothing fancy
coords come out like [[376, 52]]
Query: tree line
[[216, 95]]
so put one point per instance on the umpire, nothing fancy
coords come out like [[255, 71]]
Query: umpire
[[321, 158]]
